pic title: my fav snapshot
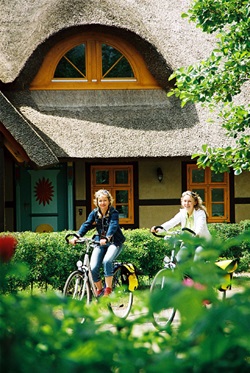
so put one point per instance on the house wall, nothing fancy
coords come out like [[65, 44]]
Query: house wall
[[152, 192], [157, 201], [80, 193], [242, 212], [171, 188], [242, 196], [149, 185], [9, 223], [242, 185], [156, 215]]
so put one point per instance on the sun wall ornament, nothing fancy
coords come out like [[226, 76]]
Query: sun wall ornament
[[44, 191]]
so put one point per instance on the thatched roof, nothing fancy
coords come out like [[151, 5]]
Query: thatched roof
[[27, 26], [101, 124], [24, 134], [116, 124]]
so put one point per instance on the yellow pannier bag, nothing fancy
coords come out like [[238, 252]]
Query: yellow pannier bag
[[228, 266], [131, 276]]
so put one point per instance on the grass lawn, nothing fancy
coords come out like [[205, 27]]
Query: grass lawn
[[241, 280]]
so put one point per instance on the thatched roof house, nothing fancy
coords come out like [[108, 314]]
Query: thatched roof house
[[44, 125]]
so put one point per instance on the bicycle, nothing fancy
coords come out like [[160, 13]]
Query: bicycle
[[80, 284], [164, 317]]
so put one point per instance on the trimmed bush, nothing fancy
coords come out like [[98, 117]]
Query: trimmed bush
[[50, 259]]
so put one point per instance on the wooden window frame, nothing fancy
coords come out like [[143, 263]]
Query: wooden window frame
[[44, 80], [208, 185], [112, 187]]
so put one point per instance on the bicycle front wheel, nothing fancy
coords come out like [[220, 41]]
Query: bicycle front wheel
[[121, 299], [162, 316], [77, 287]]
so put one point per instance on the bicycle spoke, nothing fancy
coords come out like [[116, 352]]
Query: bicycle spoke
[[77, 287]]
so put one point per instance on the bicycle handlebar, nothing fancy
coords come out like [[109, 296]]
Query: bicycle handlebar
[[155, 233], [80, 239], [189, 230], [183, 229], [70, 235]]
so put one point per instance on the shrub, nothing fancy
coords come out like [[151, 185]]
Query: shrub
[[50, 260]]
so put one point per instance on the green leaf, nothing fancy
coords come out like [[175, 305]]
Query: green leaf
[[237, 172]]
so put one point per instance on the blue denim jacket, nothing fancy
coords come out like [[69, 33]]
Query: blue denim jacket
[[107, 226]]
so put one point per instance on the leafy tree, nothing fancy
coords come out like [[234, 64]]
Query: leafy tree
[[215, 81]]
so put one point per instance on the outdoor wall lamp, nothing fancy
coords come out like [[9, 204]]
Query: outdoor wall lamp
[[159, 174]]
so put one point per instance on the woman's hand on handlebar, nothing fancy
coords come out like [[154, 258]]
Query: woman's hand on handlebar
[[157, 230], [73, 241], [103, 241]]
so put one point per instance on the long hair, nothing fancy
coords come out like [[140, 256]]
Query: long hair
[[199, 203]]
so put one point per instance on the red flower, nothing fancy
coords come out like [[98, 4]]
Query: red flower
[[7, 247]]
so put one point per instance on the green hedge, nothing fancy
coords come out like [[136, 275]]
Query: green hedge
[[50, 259]]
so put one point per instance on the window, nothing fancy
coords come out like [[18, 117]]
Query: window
[[213, 189], [119, 181], [93, 61]]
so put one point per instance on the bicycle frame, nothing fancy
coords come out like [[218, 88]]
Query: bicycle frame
[[164, 317], [80, 284], [85, 268]]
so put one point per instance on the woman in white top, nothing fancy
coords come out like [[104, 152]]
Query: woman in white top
[[192, 215]]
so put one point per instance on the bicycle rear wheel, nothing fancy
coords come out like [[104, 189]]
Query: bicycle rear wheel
[[121, 299], [162, 316], [77, 287]]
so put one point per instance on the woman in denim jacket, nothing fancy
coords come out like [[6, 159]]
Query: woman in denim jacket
[[105, 218]]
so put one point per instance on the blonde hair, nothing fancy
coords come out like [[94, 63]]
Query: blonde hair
[[100, 193], [197, 199]]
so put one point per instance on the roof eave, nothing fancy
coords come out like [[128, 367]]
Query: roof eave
[[14, 122]]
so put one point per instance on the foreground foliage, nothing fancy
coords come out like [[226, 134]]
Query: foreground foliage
[[215, 81], [45, 331]]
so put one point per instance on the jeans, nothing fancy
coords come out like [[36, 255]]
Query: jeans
[[185, 254], [103, 255]]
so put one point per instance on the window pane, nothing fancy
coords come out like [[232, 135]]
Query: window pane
[[121, 196], [201, 193], [72, 64], [118, 179], [121, 177], [218, 209], [217, 178], [217, 195], [114, 64], [198, 176], [123, 211], [102, 177]]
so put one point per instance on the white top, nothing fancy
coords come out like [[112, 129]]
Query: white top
[[200, 222]]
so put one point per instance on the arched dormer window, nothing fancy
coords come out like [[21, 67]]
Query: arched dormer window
[[93, 61]]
